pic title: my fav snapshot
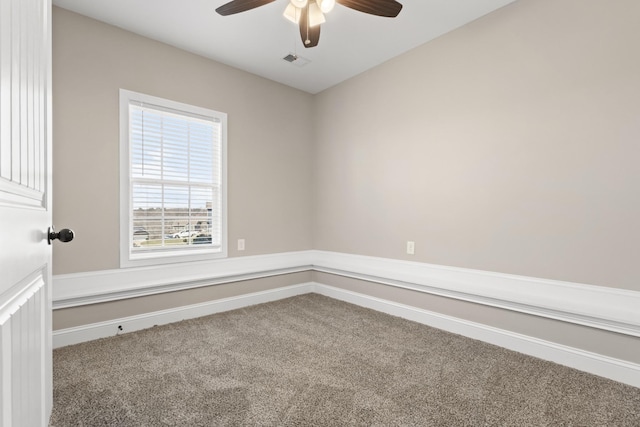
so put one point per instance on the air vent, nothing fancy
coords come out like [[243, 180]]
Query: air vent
[[296, 60]]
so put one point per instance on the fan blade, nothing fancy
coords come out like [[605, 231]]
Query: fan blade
[[237, 6], [386, 8], [310, 35]]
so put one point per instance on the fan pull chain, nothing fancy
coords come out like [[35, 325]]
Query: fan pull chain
[[296, 35]]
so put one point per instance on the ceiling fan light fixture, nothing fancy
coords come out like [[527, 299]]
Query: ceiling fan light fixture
[[315, 15], [308, 14], [326, 6], [292, 13]]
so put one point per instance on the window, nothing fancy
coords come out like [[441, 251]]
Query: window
[[173, 181]]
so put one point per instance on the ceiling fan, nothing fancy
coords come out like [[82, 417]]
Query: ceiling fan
[[309, 14]]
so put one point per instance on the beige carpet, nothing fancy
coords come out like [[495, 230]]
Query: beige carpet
[[311, 361]]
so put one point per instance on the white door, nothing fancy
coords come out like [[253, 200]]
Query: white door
[[25, 212]]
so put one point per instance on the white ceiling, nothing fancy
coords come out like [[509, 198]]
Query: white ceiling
[[257, 40]]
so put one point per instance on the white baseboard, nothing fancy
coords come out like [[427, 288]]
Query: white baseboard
[[608, 367], [593, 363], [93, 331], [610, 309], [77, 289]]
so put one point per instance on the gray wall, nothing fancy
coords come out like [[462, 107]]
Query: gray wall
[[269, 164], [508, 145]]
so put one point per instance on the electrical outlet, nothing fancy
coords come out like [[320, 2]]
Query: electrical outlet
[[241, 244], [411, 247]]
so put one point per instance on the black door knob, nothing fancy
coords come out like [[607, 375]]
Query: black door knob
[[64, 235]]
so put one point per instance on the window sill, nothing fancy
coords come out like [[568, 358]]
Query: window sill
[[142, 259]]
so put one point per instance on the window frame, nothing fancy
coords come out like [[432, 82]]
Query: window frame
[[127, 257]]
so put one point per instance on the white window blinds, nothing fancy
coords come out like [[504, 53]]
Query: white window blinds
[[175, 181]]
